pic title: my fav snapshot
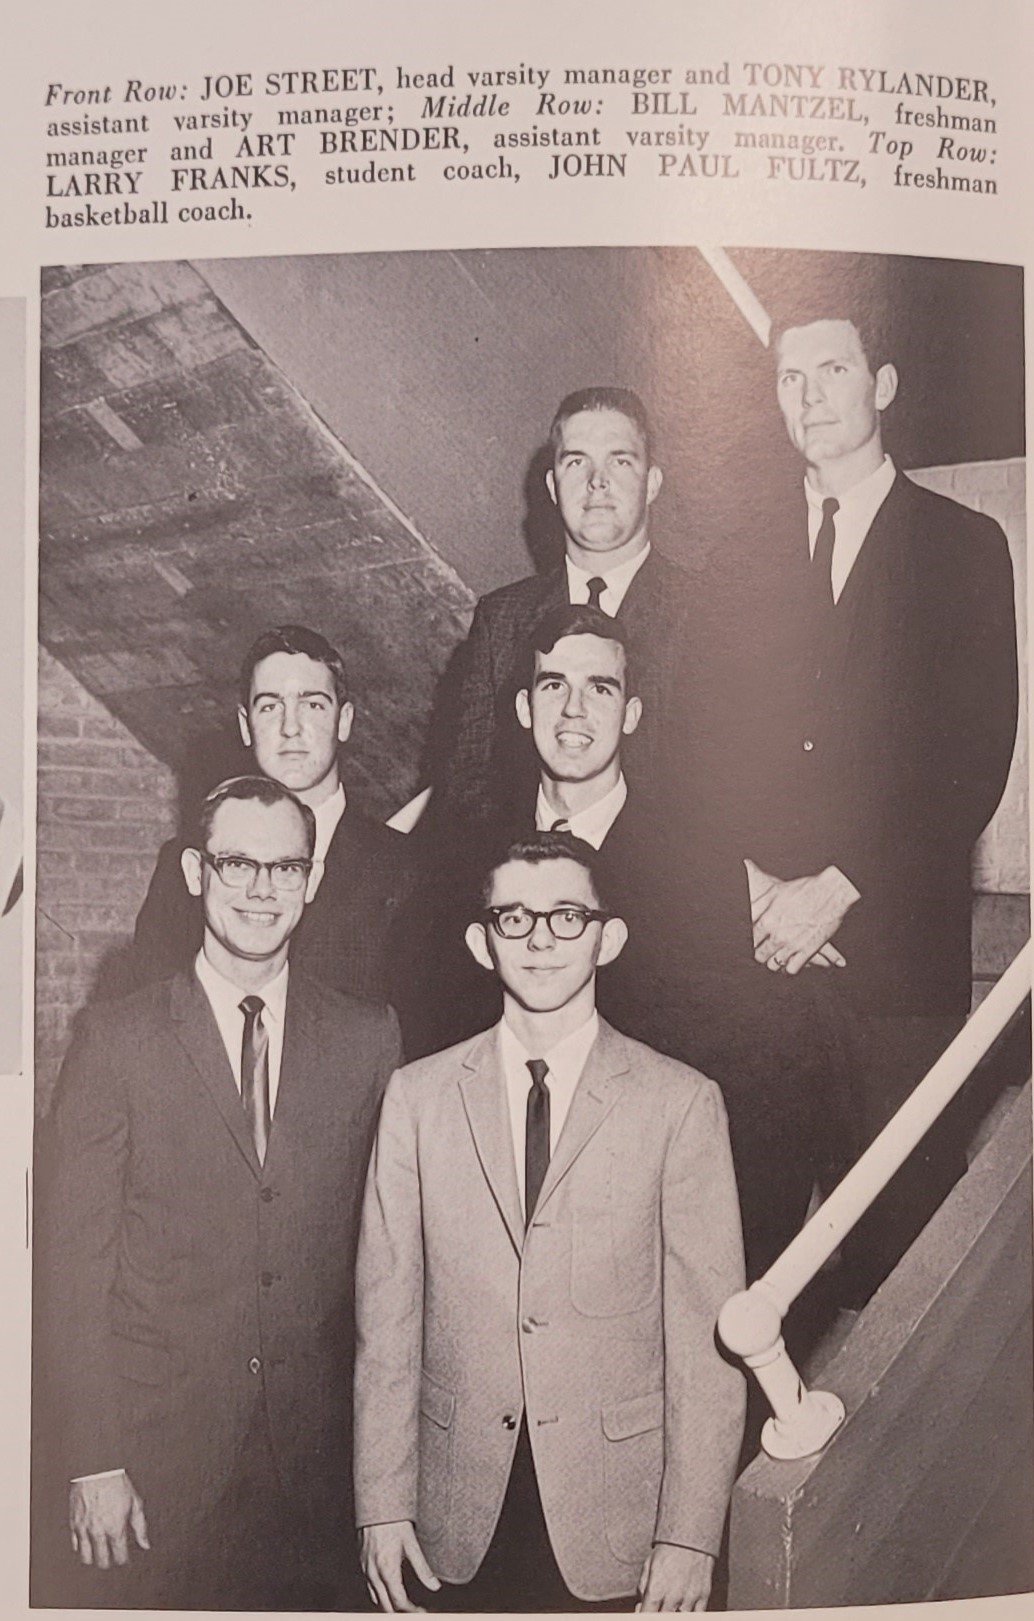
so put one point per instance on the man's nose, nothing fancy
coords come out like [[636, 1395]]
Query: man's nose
[[599, 478], [574, 703], [541, 936], [261, 886], [812, 391], [290, 722]]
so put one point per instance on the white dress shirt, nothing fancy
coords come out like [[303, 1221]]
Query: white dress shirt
[[328, 815], [565, 1063], [225, 1000], [852, 521], [617, 580], [591, 824]]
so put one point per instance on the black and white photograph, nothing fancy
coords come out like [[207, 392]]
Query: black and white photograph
[[532, 1030]]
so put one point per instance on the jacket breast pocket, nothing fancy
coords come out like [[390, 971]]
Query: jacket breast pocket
[[434, 1489], [633, 1464], [615, 1257]]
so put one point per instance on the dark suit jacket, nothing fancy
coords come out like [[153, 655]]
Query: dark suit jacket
[[887, 750], [180, 1284], [346, 937], [475, 743]]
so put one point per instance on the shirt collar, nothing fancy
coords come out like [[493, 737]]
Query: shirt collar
[[328, 815], [226, 997], [566, 1060], [863, 500], [592, 824], [618, 579]]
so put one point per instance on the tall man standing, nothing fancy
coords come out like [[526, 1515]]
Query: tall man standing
[[295, 715], [198, 1205], [550, 1228], [891, 747], [603, 481]]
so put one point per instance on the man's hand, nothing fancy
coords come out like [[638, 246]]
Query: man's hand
[[382, 1551], [101, 1514], [675, 1578], [795, 919]]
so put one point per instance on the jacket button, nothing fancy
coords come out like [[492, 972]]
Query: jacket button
[[808, 745], [266, 1195], [267, 1279], [509, 1421], [255, 1365], [528, 1325]]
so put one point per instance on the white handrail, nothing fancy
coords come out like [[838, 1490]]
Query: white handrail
[[750, 1324]]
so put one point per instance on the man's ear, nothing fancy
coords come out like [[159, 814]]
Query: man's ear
[[633, 715], [886, 385], [612, 940], [522, 704], [551, 484], [315, 879], [242, 722], [344, 722], [190, 863], [654, 480], [477, 944]]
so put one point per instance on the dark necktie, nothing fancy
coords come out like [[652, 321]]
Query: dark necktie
[[822, 558], [536, 1136], [255, 1073], [561, 824], [597, 586]]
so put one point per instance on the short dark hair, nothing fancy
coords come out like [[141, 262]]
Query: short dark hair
[[571, 619], [625, 400], [871, 329], [262, 789], [293, 639], [537, 847]]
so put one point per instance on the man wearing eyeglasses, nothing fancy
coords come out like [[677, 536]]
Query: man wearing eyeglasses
[[198, 1209], [550, 1227]]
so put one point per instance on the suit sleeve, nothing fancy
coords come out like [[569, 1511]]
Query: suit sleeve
[[80, 1207], [389, 1321], [704, 1396], [462, 733]]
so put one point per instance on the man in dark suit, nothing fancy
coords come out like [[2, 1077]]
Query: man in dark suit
[[294, 715], [198, 1204], [888, 701], [603, 481]]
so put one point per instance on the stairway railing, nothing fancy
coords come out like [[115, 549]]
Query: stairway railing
[[750, 1323]]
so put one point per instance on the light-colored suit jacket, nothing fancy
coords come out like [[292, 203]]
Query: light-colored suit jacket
[[598, 1322]]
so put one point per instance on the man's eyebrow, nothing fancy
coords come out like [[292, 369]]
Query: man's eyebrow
[[314, 692], [558, 675]]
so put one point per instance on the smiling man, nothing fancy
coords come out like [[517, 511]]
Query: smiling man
[[198, 1202], [295, 715], [603, 480], [550, 1226], [886, 701]]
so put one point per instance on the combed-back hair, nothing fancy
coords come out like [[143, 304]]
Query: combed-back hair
[[871, 329], [625, 400], [572, 619], [262, 789], [536, 847], [293, 639]]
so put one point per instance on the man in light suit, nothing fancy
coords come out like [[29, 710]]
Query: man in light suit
[[198, 1206], [603, 481], [886, 707], [550, 1227]]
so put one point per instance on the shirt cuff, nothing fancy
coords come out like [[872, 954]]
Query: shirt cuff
[[846, 892], [105, 1474]]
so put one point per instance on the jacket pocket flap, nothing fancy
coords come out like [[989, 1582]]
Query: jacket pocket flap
[[143, 1364], [436, 1403], [633, 1417]]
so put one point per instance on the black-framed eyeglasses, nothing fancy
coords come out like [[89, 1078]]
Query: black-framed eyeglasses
[[240, 872], [563, 922]]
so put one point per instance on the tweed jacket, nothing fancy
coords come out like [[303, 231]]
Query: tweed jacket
[[597, 1323]]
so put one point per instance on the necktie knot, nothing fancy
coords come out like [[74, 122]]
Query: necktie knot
[[252, 1006], [597, 586], [561, 825], [538, 1070], [822, 559], [830, 507]]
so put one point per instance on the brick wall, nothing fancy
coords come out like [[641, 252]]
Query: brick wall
[[1002, 863], [105, 806]]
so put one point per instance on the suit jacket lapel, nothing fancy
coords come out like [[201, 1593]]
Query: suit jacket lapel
[[595, 1096], [484, 1099], [198, 1034]]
